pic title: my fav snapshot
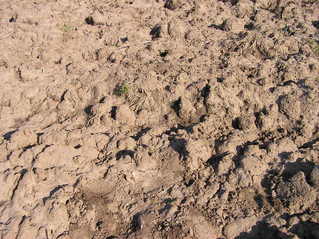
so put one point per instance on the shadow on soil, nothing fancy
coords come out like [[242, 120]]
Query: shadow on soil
[[262, 230]]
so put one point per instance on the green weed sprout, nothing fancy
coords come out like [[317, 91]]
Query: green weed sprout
[[121, 89]]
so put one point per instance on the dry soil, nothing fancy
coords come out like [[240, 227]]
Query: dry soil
[[195, 119]]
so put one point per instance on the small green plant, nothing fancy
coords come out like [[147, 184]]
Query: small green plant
[[121, 90], [66, 28], [314, 46]]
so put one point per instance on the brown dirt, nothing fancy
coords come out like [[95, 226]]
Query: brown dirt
[[159, 119]]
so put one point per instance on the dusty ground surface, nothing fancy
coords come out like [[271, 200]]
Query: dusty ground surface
[[159, 119]]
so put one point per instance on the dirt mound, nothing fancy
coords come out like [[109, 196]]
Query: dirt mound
[[159, 119]]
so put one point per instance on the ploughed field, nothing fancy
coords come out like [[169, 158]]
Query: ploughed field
[[169, 119]]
